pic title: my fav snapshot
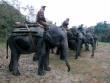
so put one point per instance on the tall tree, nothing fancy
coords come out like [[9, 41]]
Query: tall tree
[[8, 16]]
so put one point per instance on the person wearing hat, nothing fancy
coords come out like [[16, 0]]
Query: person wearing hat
[[41, 17], [81, 29], [65, 23]]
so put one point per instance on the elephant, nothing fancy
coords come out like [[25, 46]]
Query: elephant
[[88, 38], [92, 33], [76, 39], [40, 43]]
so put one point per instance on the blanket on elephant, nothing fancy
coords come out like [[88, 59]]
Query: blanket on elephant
[[35, 31]]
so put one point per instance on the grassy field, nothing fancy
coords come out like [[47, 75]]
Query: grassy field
[[83, 70], [2, 44]]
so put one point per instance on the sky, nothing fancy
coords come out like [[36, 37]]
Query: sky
[[87, 12]]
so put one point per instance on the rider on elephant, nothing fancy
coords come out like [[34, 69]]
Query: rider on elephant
[[81, 29], [41, 18], [65, 23]]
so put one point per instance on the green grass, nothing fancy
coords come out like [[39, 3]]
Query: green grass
[[103, 42], [2, 44]]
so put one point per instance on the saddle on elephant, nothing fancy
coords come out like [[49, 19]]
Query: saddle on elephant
[[25, 28]]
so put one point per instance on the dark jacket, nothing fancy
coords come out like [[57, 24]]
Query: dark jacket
[[40, 16], [65, 24]]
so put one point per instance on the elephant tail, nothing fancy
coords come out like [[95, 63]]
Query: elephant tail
[[67, 64], [7, 49]]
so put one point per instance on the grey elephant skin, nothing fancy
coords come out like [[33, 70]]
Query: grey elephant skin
[[39, 42]]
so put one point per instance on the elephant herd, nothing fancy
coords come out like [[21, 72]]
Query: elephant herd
[[33, 39]]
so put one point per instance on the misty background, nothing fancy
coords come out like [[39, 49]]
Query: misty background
[[93, 14]]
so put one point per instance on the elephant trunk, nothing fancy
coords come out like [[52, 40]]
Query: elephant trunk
[[67, 64], [64, 53]]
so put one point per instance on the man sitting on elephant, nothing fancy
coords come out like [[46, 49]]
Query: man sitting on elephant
[[65, 24], [81, 29], [41, 18], [41, 21]]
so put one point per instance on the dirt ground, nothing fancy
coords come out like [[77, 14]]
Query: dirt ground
[[83, 70]]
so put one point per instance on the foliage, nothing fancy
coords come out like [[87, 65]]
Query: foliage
[[8, 16], [102, 29]]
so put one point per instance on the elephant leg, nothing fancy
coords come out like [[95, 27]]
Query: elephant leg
[[78, 48], [95, 42], [46, 59], [38, 49], [41, 62], [93, 48], [13, 66], [76, 55], [64, 53]]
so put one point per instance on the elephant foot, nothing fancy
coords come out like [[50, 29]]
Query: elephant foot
[[47, 68], [16, 73], [41, 73], [92, 56], [76, 57]]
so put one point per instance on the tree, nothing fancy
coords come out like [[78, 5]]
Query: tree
[[102, 29], [8, 16]]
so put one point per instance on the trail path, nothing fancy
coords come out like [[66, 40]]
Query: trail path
[[83, 70]]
